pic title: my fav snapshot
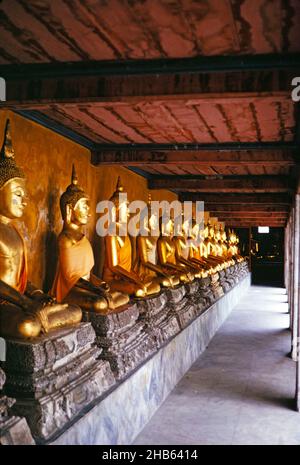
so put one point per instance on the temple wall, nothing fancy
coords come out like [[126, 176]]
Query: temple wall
[[47, 158]]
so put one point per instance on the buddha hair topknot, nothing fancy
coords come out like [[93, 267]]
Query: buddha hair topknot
[[72, 194], [8, 167]]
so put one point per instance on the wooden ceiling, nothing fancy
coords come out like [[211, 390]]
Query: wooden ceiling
[[193, 95], [37, 31]]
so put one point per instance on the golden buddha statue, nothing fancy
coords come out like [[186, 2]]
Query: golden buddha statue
[[147, 262], [74, 282], [182, 251], [167, 253], [25, 311], [224, 246], [213, 248], [206, 248], [233, 250], [118, 267], [194, 250], [222, 241]]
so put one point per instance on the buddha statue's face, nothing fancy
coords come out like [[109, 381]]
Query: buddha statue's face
[[186, 228], [168, 228], [153, 223], [12, 198], [195, 231], [81, 212]]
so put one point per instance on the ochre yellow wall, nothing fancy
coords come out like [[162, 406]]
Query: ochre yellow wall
[[47, 158]]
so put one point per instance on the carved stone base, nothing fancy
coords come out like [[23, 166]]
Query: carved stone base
[[215, 286], [223, 281], [55, 377], [195, 297], [13, 430], [235, 273], [124, 342], [184, 310], [205, 291], [159, 319], [244, 268], [230, 278]]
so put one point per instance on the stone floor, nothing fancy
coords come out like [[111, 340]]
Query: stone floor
[[241, 389]]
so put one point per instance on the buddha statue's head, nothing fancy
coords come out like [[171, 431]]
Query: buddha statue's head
[[211, 230], [166, 226], [152, 218], [217, 233], [12, 181], [223, 234], [120, 211], [195, 230], [205, 231], [187, 228], [74, 203]]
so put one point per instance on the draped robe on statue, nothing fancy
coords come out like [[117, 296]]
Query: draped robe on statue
[[74, 263]]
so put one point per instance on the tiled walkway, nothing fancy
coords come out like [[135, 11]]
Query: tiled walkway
[[241, 389]]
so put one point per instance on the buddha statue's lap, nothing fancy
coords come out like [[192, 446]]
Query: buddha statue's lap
[[25, 311], [118, 270], [74, 282]]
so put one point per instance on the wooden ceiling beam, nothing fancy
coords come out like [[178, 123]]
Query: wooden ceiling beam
[[37, 85], [247, 224], [250, 215], [258, 154], [161, 66], [238, 184], [244, 207], [237, 199]]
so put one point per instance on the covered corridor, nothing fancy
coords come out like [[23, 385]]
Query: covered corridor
[[241, 389], [192, 106]]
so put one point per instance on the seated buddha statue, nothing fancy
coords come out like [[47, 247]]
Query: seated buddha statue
[[147, 266], [205, 248], [233, 250], [182, 251], [224, 247], [214, 249], [166, 250], [195, 240], [118, 267], [74, 281], [25, 310]]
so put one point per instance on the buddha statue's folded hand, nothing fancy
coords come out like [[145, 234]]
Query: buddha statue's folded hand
[[99, 283], [43, 298]]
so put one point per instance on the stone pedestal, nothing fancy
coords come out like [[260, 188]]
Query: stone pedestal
[[181, 306], [215, 286], [230, 277], [55, 377], [160, 321], [245, 268], [235, 273], [122, 337], [195, 297], [13, 430], [205, 291], [223, 281]]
